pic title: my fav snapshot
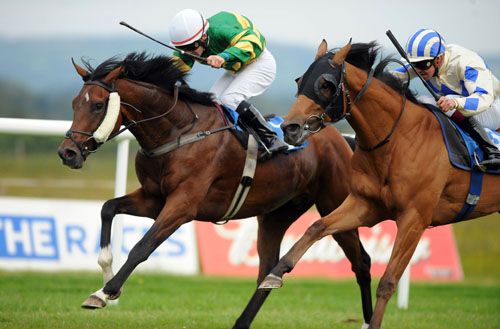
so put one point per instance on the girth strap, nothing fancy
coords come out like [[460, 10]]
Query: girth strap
[[246, 180]]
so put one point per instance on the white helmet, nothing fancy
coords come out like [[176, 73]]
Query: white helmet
[[187, 27], [425, 44]]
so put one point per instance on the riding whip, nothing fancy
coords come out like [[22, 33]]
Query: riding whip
[[403, 54], [163, 44]]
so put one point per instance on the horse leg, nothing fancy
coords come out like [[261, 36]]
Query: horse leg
[[356, 254], [360, 265], [350, 215], [137, 203], [272, 228], [166, 223], [411, 226]]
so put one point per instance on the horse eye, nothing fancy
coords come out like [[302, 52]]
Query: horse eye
[[98, 107], [327, 88]]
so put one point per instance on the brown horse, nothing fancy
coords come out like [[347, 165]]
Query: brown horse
[[197, 181], [400, 168]]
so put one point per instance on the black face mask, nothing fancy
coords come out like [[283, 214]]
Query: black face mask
[[322, 83]]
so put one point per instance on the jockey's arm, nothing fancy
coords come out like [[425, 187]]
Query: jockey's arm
[[245, 48], [401, 72], [185, 63], [478, 82]]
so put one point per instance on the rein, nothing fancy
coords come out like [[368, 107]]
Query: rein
[[396, 122]]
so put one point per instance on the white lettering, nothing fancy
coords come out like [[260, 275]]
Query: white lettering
[[378, 245], [14, 237], [42, 239]]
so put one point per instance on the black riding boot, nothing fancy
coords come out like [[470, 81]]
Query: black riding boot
[[251, 119], [477, 132]]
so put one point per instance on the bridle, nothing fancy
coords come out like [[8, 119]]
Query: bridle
[[85, 146], [338, 106], [179, 141]]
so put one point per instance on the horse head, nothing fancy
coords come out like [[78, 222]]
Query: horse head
[[321, 96], [96, 115]]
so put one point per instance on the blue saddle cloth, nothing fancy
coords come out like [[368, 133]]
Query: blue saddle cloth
[[463, 153], [274, 122], [461, 147]]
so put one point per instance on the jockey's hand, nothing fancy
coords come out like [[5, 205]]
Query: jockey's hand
[[215, 61], [446, 104]]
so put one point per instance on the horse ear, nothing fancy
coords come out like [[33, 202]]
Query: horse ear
[[113, 75], [81, 71], [323, 47], [340, 55]]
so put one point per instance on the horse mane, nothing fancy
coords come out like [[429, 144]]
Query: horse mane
[[162, 71], [364, 56]]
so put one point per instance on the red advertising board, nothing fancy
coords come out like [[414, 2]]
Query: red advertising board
[[230, 249]]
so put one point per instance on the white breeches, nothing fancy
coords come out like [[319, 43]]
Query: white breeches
[[233, 88]]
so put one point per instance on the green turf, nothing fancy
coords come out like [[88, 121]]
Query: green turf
[[34, 300]]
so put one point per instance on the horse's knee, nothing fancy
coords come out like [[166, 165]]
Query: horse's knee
[[386, 288], [108, 210], [316, 230]]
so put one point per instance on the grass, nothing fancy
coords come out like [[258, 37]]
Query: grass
[[51, 300], [41, 300]]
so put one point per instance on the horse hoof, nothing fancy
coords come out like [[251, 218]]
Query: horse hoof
[[93, 302], [271, 282]]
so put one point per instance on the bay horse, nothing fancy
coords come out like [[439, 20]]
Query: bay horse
[[197, 181], [400, 167]]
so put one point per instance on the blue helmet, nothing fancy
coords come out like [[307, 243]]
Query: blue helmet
[[425, 44]]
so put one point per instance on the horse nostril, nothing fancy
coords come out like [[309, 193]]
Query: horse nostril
[[66, 154], [292, 128]]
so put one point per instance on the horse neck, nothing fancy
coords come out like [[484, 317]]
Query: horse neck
[[152, 102], [373, 116]]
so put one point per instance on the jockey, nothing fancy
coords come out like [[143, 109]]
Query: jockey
[[230, 41], [470, 93]]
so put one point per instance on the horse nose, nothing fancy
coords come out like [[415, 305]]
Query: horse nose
[[67, 155], [291, 131]]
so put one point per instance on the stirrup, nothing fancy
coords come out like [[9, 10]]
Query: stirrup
[[477, 164]]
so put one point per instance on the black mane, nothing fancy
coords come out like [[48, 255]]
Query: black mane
[[364, 55], [161, 71]]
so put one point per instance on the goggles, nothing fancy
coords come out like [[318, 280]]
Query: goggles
[[190, 47], [423, 65]]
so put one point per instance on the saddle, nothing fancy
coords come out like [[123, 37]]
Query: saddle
[[461, 147]]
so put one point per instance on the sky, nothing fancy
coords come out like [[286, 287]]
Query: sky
[[474, 24]]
